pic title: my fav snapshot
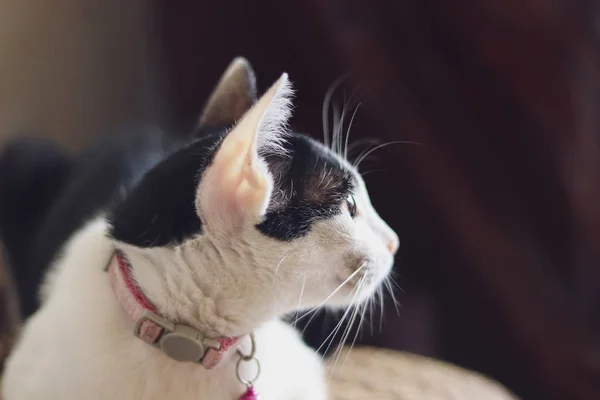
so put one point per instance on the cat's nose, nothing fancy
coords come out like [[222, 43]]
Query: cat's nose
[[393, 245]]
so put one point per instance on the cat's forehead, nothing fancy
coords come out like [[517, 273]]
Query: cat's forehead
[[311, 170], [310, 184]]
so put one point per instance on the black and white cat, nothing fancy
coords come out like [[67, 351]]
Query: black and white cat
[[171, 263]]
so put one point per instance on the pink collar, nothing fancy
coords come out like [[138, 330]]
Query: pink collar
[[180, 342]]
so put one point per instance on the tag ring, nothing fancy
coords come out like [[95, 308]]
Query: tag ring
[[250, 356], [247, 382], [247, 358]]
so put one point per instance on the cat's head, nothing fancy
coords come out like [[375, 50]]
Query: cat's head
[[253, 222]]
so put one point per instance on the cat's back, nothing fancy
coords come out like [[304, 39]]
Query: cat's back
[[75, 189], [105, 172]]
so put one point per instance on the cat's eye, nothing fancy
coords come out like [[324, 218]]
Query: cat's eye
[[351, 203]]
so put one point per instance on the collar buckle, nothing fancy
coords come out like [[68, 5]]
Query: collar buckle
[[179, 342]]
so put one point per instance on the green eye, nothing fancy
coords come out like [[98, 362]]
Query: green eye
[[351, 203]]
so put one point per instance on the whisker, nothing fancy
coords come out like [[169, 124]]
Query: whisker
[[366, 309], [299, 301], [318, 307], [315, 313], [381, 305], [396, 283], [333, 333], [340, 128], [355, 312], [341, 147], [336, 130], [349, 326], [369, 172], [348, 131], [362, 315], [362, 141], [366, 150], [354, 293], [371, 303], [281, 262], [390, 289], [336, 329], [340, 125], [362, 157], [309, 320], [325, 109], [349, 278]]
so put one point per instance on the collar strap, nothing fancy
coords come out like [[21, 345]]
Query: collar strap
[[180, 342]]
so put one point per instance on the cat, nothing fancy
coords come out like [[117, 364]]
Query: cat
[[170, 262]]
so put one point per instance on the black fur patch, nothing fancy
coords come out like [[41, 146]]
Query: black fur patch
[[309, 187], [160, 211]]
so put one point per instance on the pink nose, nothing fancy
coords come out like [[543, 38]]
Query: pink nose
[[393, 245]]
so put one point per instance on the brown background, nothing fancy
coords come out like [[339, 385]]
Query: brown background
[[498, 211]]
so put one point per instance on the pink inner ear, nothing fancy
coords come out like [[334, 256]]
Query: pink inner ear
[[236, 187], [233, 191]]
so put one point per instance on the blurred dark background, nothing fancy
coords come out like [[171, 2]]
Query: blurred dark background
[[498, 210]]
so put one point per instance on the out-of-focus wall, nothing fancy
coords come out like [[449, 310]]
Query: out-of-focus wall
[[72, 69]]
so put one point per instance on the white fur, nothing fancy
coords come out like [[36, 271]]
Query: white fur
[[80, 346], [229, 281], [273, 125]]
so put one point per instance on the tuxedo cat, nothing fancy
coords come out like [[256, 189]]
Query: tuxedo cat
[[169, 263]]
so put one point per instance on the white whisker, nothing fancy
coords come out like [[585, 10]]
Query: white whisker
[[363, 156], [314, 311], [336, 329], [337, 289], [336, 130], [333, 333], [325, 110], [299, 301], [340, 128], [369, 172], [390, 289], [349, 326], [359, 142], [281, 262], [396, 283], [381, 310], [371, 304], [362, 315], [348, 131]]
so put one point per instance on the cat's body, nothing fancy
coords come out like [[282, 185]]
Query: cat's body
[[223, 234], [101, 359]]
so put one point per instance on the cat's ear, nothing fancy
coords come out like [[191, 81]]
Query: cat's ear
[[232, 97], [235, 189]]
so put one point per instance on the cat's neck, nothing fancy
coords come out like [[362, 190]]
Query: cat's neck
[[190, 285]]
